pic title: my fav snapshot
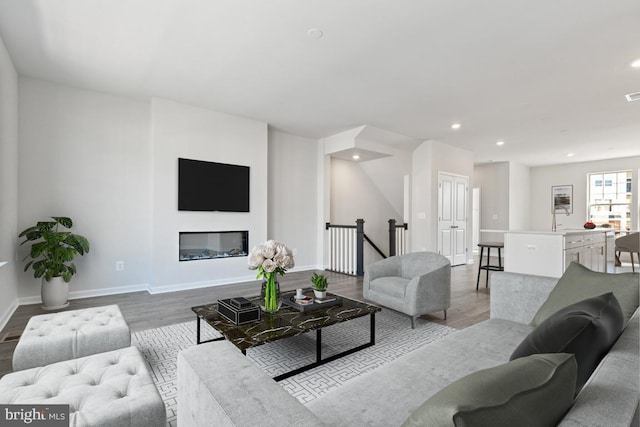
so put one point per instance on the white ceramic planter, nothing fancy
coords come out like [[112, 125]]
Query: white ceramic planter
[[55, 293], [319, 294]]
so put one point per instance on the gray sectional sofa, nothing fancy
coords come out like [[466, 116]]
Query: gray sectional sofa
[[218, 385]]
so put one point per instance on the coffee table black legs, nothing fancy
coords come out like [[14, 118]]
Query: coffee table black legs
[[198, 334], [320, 361]]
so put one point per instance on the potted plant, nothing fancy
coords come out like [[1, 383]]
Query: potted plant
[[319, 285], [52, 252]]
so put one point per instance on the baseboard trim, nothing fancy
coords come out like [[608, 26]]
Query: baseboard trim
[[210, 283], [196, 285], [89, 293], [6, 316]]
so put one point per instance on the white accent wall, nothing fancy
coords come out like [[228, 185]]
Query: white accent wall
[[180, 130], [86, 155], [8, 185]]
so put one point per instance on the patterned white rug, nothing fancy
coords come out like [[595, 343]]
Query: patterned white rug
[[394, 337]]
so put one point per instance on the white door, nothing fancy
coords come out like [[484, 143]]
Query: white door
[[453, 199]]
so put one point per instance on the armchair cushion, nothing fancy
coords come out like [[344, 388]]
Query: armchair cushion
[[393, 286]]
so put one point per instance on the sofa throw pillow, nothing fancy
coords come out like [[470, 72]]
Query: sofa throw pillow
[[578, 283], [531, 391], [587, 329]]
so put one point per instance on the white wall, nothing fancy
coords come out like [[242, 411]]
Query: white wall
[[493, 181], [86, 155], [293, 216], [110, 163], [8, 185], [356, 194], [388, 174], [519, 197], [430, 158], [543, 178], [179, 130]]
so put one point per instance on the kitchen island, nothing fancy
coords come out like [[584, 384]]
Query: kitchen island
[[549, 253]]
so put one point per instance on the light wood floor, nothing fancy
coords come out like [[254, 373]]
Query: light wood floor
[[144, 311]]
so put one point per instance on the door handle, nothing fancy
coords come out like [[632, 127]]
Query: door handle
[[454, 226]]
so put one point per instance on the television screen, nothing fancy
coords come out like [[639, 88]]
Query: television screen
[[209, 186]]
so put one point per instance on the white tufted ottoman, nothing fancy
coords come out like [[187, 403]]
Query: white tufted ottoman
[[106, 389], [54, 337]]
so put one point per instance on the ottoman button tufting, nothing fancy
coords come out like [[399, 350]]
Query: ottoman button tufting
[[63, 339]]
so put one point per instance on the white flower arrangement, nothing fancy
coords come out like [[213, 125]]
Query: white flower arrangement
[[270, 257]]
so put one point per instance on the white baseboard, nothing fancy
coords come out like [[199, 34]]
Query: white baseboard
[[4, 318], [218, 282], [89, 293], [197, 285], [153, 289]]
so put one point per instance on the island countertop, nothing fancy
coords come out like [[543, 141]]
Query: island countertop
[[564, 232]]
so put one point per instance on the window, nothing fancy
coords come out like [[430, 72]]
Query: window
[[610, 203]]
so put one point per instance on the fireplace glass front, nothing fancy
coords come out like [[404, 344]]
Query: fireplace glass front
[[212, 245]]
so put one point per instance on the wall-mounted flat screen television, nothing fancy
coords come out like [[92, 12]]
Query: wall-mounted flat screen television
[[210, 186]]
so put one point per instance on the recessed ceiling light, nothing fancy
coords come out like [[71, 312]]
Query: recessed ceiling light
[[570, 155], [314, 33], [500, 143], [355, 157], [456, 126], [636, 63]]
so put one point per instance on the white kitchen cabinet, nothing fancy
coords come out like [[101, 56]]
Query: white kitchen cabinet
[[550, 253]]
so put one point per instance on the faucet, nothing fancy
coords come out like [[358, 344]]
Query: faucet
[[555, 209]]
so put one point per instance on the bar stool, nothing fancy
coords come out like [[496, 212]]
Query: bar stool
[[488, 265]]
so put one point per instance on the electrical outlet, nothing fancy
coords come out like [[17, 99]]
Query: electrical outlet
[[294, 251], [119, 265]]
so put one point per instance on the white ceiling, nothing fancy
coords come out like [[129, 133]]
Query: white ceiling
[[547, 77]]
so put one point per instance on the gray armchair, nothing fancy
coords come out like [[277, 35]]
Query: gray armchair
[[414, 284]]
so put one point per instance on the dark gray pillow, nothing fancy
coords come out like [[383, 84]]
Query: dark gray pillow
[[578, 283], [587, 329], [530, 391]]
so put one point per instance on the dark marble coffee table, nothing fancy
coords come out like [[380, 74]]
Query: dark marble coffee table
[[288, 322]]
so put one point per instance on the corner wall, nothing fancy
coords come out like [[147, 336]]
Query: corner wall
[[86, 155], [293, 217], [8, 185]]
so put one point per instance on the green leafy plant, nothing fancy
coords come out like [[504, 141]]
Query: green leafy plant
[[53, 250], [319, 282]]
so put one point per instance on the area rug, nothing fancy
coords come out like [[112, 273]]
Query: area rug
[[394, 337]]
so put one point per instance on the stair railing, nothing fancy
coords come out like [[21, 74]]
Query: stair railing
[[397, 238], [346, 248], [346, 245]]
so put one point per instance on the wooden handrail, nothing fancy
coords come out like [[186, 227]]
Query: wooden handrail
[[373, 245]]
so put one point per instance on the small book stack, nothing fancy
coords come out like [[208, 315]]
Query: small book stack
[[238, 310]]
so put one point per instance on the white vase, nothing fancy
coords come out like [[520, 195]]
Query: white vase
[[54, 293], [319, 294]]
